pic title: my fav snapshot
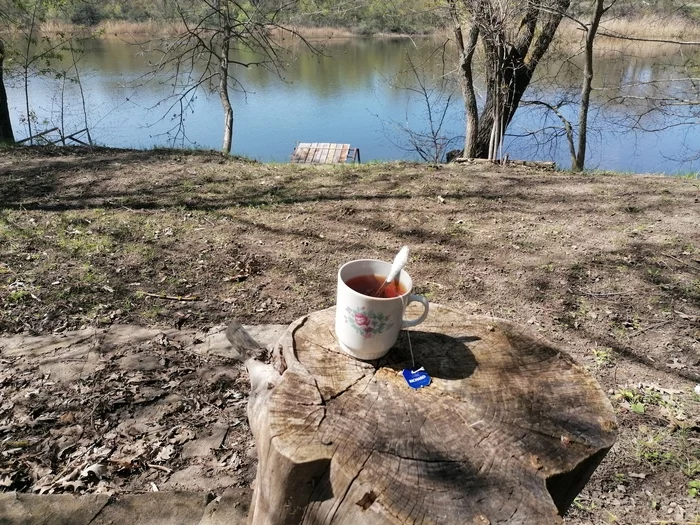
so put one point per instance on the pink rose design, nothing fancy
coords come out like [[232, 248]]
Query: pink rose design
[[362, 320]]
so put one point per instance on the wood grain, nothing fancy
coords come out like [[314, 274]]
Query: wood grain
[[509, 431]]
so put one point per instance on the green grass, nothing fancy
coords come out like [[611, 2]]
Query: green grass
[[604, 357], [17, 296], [669, 446]]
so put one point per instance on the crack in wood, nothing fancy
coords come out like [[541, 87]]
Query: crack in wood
[[334, 511]]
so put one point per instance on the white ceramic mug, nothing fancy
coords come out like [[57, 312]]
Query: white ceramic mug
[[367, 327]]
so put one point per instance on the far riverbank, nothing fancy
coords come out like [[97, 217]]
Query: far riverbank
[[671, 27]]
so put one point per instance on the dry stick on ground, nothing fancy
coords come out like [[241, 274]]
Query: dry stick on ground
[[604, 294], [160, 467], [172, 297], [651, 327], [680, 261]]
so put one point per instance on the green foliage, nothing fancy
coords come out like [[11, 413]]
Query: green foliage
[[367, 16], [693, 488], [604, 357], [17, 296], [370, 17], [86, 15]]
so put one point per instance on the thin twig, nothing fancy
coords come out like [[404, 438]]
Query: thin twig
[[680, 261], [172, 297], [650, 327], [160, 467], [606, 294], [666, 522]]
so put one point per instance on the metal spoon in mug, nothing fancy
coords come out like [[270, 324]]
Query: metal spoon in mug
[[399, 262]]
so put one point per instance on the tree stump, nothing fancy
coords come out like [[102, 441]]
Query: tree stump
[[509, 431]]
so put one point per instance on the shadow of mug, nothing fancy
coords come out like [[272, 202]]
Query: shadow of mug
[[441, 355]]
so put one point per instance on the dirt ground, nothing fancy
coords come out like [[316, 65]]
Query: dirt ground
[[606, 266]]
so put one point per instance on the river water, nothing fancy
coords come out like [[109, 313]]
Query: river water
[[357, 91]]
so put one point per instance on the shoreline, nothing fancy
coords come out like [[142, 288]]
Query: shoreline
[[49, 150], [673, 28]]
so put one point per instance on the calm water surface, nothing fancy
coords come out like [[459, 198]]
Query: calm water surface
[[350, 94]]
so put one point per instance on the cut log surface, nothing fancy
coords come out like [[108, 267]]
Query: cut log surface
[[509, 430]]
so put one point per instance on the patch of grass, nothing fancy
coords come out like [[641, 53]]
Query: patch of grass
[[90, 275], [692, 289], [693, 488], [604, 357], [655, 275], [621, 477], [17, 296], [583, 506], [458, 229], [664, 448], [651, 397], [549, 267], [83, 243], [153, 312], [671, 446]]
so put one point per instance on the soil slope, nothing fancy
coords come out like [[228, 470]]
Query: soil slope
[[606, 266]]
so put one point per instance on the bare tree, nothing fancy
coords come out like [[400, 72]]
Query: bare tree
[[577, 141], [218, 37], [664, 103], [515, 35], [591, 29], [466, 78], [32, 54], [433, 91]]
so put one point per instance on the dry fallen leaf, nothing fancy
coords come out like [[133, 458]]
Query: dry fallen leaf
[[166, 453], [676, 365], [182, 436], [75, 486], [98, 470]]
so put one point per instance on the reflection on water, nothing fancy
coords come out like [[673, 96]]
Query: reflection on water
[[349, 94]]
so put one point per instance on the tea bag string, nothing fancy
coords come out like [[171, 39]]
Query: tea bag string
[[410, 347]]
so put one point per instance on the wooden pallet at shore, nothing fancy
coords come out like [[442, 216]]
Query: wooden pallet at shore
[[324, 153]]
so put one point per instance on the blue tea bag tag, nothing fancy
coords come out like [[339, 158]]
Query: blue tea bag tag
[[416, 378]]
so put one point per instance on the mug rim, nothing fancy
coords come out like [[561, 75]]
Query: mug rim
[[368, 297]]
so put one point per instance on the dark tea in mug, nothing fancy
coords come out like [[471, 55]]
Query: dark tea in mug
[[368, 284]]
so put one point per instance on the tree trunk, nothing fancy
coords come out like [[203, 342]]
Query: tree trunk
[[508, 77], [466, 80], [509, 430], [502, 98], [6, 134], [223, 89], [586, 87]]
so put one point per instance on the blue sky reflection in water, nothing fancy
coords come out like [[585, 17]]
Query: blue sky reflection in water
[[344, 97]]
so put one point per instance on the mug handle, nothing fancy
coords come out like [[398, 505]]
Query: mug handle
[[420, 299]]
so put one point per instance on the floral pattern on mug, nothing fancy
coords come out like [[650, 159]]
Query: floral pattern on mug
[[366, 322]]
